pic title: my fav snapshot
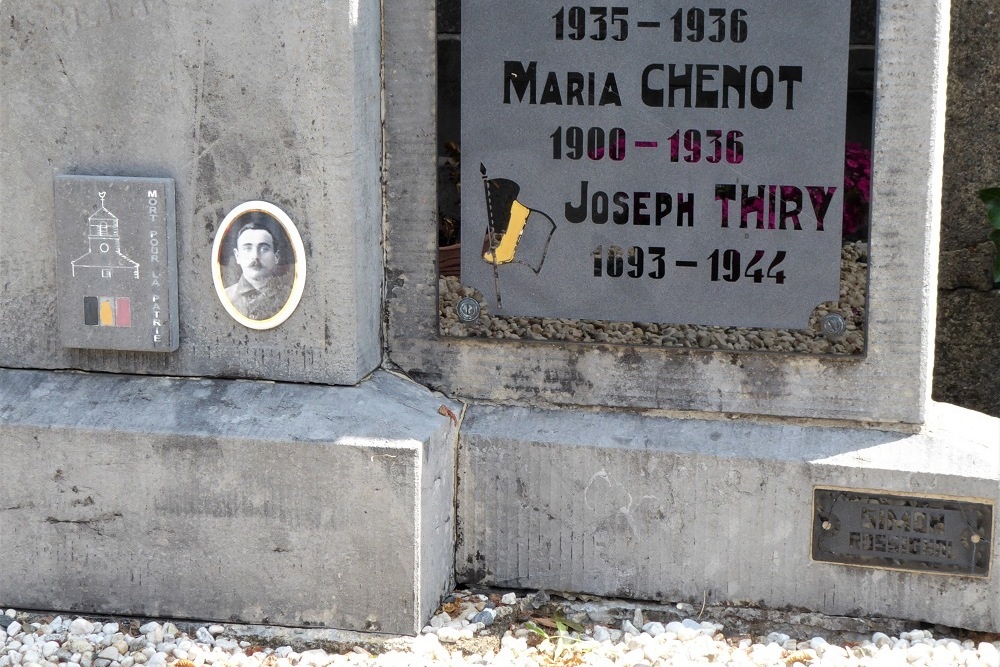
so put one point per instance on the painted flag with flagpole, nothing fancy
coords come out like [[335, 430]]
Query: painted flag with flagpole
[[515, 233]]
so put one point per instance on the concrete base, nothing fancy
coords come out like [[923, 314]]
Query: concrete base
[[228, 500], [718, 511]]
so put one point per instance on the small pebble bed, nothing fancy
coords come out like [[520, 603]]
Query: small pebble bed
[[850, 306], [500, 629]]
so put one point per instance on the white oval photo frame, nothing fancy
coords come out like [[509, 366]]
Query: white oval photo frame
[[298, 263]]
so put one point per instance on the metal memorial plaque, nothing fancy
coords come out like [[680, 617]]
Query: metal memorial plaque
[[116, 267], [654, 161], [902, 532]]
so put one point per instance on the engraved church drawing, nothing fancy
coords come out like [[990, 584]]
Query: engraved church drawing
[[105, 251]]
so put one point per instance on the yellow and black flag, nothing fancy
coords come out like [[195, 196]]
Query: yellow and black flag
[[514, 233]]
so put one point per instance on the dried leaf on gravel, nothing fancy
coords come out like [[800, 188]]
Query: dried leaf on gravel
[[797, 656]]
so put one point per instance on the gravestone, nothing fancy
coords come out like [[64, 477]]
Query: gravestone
[[257, 453], [680, 474], [232, 112], [213, 438]]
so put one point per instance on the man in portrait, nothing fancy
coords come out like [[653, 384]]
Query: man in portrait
[[266, 283]]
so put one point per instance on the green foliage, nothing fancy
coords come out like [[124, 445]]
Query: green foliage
[[991, 197], [562, 626]]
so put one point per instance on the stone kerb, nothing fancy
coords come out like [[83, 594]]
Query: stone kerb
[[235, 102], [891, 385], [255, 502], [625, 505]]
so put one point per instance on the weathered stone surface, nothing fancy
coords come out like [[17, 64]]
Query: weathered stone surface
[[235, 101], [718, 510], [227, 500], [972, 138], [967, 268], [967, 362]]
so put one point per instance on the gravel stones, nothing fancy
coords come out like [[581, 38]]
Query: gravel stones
[[40, 641], [851, 306]]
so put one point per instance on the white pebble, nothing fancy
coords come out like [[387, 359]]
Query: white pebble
[[80, 626], [216, 629], [316, 658], [13, 629], [654, 629], [777, 638], [509, 598], [448, 634], [110, 653], [110, 628], [766, 654], [653, 651], [988, 654]]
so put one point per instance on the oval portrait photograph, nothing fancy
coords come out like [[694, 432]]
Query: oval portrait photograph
[[258, 265]]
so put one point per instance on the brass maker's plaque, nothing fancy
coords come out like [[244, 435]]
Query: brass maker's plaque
[[945, 536]]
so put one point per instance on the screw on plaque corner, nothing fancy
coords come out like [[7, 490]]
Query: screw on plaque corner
[[468, 310], [833, 327]]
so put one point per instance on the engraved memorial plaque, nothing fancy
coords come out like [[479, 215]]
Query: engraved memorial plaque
[[654, 162], [947, 536], [116, 263]]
